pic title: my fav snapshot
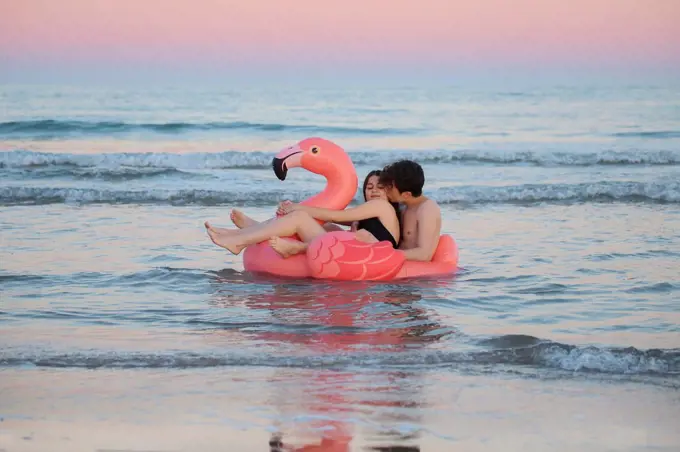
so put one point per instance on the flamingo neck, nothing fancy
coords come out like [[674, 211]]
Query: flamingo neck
[[341, 186]]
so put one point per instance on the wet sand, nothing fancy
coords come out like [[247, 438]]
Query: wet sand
[[243, 409]]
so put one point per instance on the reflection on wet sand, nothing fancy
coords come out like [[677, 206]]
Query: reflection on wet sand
[[326, 411]]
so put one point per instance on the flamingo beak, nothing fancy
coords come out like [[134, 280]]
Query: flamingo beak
[[288, 158]]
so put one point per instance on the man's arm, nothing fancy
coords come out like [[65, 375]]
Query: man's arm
[[429, 229]]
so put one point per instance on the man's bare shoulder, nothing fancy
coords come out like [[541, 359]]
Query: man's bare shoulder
[[428, 209]]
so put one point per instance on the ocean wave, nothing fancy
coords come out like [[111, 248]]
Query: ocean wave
[[534, 353], [163, 275], [658, 134], [54, 128], [634, 192], [113, 174], [29, 160], [606, 191], [47, 195]]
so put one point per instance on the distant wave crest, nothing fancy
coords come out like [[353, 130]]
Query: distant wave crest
[[48, 195], [516, 194], [110, 174], [650, 192], [29, 160], [657, 134], [54, 128]]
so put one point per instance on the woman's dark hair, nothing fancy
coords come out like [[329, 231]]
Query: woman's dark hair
[[394, 204]]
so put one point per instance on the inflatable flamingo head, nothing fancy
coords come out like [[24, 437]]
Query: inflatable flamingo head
[[317, 155]]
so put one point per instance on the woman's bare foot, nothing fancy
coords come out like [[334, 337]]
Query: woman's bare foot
[[223, 231], [226, 241], [241, 220], [363, 235], [287, 247]]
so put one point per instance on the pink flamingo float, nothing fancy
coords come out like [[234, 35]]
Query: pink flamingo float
[[338, 255]]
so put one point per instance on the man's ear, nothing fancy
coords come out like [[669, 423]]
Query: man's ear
[[407, 195]]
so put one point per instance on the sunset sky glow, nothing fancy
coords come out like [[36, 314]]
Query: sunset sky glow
[[346, 37]]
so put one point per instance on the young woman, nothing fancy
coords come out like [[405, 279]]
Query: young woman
[[376, 220]]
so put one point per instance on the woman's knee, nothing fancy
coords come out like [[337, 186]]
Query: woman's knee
[[301, 215]]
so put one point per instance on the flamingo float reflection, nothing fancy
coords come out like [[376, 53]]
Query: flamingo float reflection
[[345, 319]]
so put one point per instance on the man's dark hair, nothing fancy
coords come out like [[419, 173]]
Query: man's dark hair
[[405, 175]]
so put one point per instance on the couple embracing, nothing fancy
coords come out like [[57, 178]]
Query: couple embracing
[[413, 229]]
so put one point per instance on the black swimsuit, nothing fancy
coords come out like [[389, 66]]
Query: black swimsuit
[[379, 231]]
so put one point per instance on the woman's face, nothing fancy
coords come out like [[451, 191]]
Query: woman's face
[[374, 190]]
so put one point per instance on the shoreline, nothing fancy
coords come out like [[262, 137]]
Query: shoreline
[[241, 409]]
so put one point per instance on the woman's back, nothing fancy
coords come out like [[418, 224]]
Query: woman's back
[[385, 225]]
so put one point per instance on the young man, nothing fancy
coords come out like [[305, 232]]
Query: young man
[[421, 219]]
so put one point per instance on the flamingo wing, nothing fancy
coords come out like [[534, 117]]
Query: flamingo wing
[[338, 255]]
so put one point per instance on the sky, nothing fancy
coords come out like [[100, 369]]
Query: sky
[[81, 39]]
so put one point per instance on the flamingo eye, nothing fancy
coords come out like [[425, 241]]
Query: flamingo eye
[[315, 149]]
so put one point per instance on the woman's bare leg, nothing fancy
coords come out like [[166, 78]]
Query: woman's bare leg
[[288, 247], [298, 222]]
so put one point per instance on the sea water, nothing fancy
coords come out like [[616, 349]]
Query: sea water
[[124, 326]]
